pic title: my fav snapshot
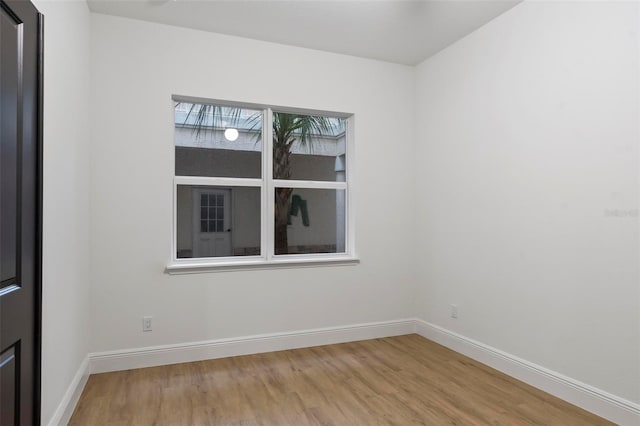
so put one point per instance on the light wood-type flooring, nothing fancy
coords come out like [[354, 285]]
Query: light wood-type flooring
[[403, 380]]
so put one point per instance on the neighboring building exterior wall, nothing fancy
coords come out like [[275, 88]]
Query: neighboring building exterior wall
[[245, 227], [246, 207], [217, 162]]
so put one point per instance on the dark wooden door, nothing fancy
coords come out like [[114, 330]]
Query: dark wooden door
[[20, 212]]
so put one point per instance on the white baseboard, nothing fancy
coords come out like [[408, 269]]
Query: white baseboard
[[606, 405], [611, 407], [198, 351], [65, 409]]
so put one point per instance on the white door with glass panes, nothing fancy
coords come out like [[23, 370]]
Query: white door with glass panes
[[211, 222]]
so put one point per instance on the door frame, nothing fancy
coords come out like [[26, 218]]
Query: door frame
[[37, 371]]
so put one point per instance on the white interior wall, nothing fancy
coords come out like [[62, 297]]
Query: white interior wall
[[527, 162], [136, 67], [527, 175], [66, 303]]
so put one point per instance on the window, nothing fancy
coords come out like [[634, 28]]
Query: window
[[260, 186]]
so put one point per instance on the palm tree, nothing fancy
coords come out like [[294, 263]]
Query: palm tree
[[287, 129]]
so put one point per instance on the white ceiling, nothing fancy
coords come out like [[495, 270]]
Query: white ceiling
[[400, 31]]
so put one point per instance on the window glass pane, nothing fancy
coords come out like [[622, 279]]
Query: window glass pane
[[217, 141], [309, 221], [307, 147], [231, 229]]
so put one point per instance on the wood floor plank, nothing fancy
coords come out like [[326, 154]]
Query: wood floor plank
[[404, 380]]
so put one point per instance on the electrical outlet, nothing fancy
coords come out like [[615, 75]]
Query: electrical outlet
[[454, 311], [146, 323]]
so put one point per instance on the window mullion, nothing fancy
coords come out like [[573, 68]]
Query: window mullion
[[310, 184], [216, 181], [350, 210], [174, 239], [268, 219]]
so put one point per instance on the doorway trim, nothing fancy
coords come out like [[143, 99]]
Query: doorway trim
[[39, 225], [227, 227]]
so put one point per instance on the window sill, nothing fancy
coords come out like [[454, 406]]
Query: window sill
[[199, 267]]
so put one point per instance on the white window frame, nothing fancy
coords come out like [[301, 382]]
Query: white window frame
[[267, 258]]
